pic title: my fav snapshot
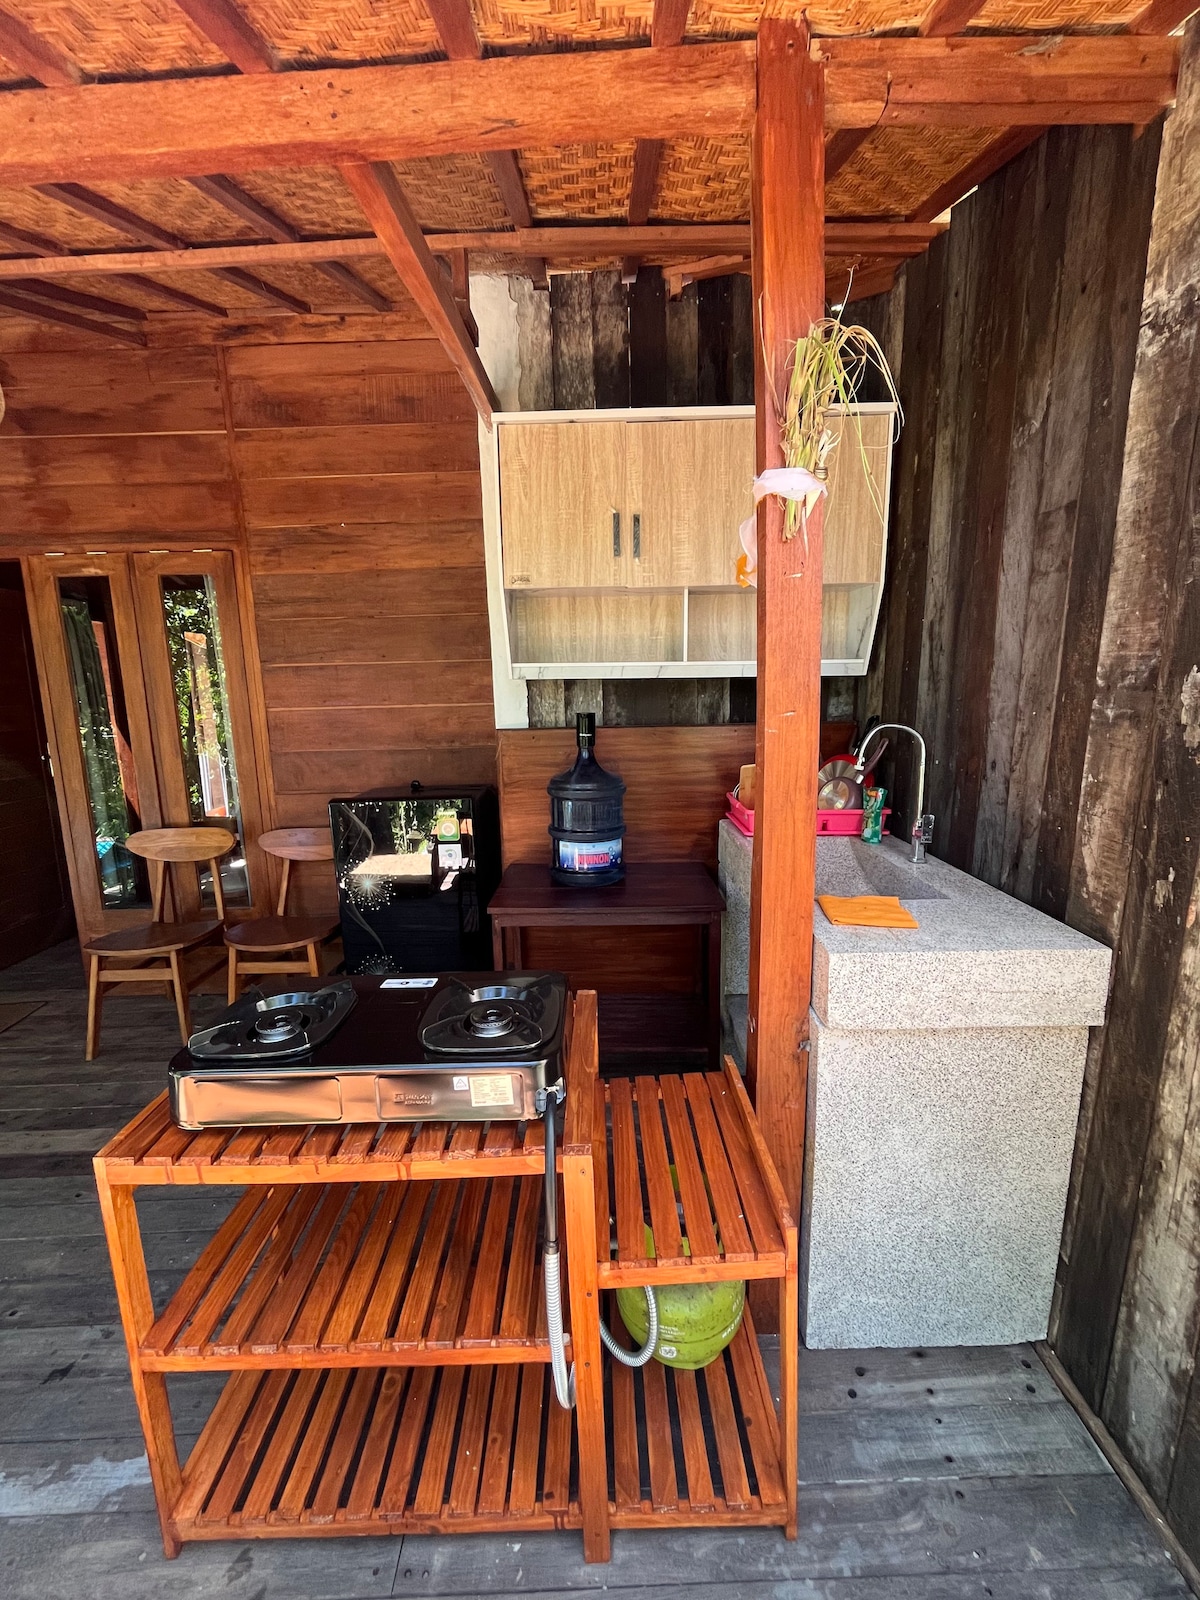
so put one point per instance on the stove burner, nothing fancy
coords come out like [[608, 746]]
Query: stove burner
[[276, 1027], [491, 1020], [519, 1015], [283, 1025]]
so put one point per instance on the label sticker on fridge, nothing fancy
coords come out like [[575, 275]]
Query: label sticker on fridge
[[408, 983], [492, 1091]]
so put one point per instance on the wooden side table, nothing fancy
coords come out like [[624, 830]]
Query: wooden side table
[[654, 894]]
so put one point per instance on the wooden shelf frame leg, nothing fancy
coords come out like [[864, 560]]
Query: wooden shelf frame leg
[[579, 1207], [119, 1212], [789, 1379]]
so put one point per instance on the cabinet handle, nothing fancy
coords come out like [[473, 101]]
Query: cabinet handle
[[637, 535], [616, 535]]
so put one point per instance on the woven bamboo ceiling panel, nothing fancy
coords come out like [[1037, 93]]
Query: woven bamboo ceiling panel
[[312, 199], [707, 178], [120, 38], [452, 192], [582, 182], [303, 31], [898, 168]]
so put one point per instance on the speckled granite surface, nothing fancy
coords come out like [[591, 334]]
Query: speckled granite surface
[[946, 1068], [936, 1179]]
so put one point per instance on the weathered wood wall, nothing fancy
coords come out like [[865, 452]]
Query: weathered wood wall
[[1042, 629], [338, 457]]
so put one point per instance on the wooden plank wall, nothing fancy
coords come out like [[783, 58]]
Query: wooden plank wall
[[600, 343], [1042, 629], [339, 456]]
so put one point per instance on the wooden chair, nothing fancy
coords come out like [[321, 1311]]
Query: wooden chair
[[279, 936], [159, 945]]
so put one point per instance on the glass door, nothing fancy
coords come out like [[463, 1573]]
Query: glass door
[[199, 706], [144, 682]]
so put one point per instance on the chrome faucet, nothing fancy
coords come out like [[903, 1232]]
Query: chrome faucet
[[922, 828]]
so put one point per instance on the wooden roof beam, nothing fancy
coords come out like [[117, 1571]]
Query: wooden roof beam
[[686, 241], [101, 209], [948, 16], [1163, 16], [36, 57], [455, 23], [11, 301], [194, 126], [990, 81], [377, 190], [224, 25], [224, 192], [668, 23]]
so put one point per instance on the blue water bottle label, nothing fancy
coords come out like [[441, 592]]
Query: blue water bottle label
[[598, 855]]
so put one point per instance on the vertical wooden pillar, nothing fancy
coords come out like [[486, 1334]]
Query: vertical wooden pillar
[[788, 245]]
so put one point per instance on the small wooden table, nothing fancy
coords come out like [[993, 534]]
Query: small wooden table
[[654, 894]]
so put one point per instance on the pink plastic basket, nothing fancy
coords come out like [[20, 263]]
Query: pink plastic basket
[[741, 816], [847, 824]]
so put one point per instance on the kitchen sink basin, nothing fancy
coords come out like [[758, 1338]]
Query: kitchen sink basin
[[850, 867]]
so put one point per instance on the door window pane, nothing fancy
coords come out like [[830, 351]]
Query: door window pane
[[202, 703], [109, 774]]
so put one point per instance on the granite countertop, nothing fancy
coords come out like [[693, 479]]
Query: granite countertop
[[979, 958]]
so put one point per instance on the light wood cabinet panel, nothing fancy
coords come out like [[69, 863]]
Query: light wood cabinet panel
[[856, 507], [561, 484], [690, 483]]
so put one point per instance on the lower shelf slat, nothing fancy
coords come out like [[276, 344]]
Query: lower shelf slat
[[368, 1451]]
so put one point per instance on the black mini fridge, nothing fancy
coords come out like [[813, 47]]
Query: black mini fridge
[[415, 873]]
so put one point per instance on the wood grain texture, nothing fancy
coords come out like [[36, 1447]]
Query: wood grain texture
[[676, 780], [1042, 530], [375, 113], [788, 207]]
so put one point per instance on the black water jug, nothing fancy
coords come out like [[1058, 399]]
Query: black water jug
[[587, 822]]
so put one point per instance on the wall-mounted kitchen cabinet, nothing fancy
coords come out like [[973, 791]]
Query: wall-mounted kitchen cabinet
[[612, 545]]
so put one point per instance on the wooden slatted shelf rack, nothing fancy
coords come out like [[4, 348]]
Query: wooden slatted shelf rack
[[375, 1295]]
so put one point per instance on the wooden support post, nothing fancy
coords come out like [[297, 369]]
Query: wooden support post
[[788, 250], [119, 1214]]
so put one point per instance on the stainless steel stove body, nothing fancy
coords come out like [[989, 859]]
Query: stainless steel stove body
[[455, 1047]]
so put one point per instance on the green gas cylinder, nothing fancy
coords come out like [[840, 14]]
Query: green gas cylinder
[[695, 1320]]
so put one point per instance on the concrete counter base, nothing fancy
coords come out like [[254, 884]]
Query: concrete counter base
[[944, 1079]]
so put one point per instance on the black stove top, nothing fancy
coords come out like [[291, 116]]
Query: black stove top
[[445, 1046]]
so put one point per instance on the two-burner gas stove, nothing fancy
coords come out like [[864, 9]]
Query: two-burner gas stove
[[459, 1047]]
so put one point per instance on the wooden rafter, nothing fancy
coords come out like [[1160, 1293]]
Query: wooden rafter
[[996, 155], [36, 57], [38, 244], [58, 293], [668, 23], [11, 301], [455, 23], [840, 146], [685, 241], [101, 209], [948, 16], [378, 192], [224, 25], [224, 192], [1163, 16]]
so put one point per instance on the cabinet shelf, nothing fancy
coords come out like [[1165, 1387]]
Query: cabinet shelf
[[368, 1274]]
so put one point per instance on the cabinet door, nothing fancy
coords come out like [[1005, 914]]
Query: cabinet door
[[561, 486], [689, 485], [856, 507]]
